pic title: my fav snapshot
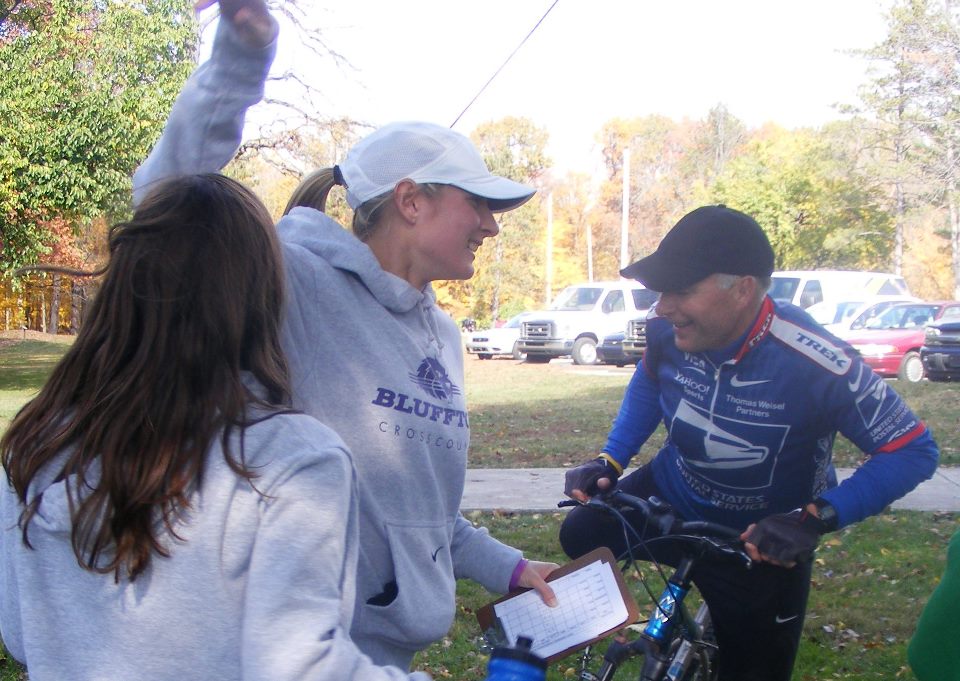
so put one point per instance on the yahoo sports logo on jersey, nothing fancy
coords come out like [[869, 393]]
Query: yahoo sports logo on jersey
[[433, 378]]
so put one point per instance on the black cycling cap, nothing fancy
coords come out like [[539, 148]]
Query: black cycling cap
[[708, 240]]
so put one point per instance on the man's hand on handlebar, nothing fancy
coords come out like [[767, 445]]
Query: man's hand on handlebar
[[784, 539], [582, 482]]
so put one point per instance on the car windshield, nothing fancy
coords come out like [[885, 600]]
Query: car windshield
[[783, 288], [866, 317], [514, 322], [577, 298], [903, 317], [644, 298], [833, 313], [951, 314]]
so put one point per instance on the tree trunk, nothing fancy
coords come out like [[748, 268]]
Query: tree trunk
[[954, 241], [77, 295], [55, 306], [43, 311], [898, 227]]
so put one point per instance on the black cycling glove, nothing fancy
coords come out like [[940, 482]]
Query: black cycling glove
[[584, 477], [788, 537]]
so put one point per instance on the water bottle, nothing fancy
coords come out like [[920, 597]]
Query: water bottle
[[516, 664]]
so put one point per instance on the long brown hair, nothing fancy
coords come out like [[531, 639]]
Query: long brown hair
[[190, 303]]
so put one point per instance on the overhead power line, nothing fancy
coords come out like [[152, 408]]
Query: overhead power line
[[497, 72]]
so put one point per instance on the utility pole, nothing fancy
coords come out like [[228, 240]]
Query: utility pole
[[625, 211], [589, 252], [548, 293]]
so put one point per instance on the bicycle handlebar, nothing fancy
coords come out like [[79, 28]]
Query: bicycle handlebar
[[666, 521]]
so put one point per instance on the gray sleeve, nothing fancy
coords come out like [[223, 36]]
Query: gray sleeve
[[11, 622], [206, 123], [480, 557]]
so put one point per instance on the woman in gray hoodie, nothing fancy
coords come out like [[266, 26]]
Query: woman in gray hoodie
[[371, 355], [160, 484]]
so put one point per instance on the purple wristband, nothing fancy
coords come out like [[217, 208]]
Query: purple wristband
[[517, 571]]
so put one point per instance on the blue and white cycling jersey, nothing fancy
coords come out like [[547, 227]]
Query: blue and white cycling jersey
[[750, 428]]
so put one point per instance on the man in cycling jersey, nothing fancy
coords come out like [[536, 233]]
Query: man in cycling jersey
[[752, 393]]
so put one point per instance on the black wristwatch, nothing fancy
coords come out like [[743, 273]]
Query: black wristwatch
[[826, 514]]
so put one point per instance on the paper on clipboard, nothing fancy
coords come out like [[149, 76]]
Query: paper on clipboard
[[589, 602]]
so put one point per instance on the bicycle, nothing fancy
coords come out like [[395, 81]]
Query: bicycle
[[675, 645]]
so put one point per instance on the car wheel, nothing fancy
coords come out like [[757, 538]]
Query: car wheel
[[939, 378], [911, 368], [584, 351], [484, 355], [537, 359], [517, 354]]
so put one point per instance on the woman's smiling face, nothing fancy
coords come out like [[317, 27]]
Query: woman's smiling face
[[451, 227]]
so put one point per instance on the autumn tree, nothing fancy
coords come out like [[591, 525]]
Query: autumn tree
[[671, 164], [818, 210], [941, 116], [912, 96], [715, 140], [83, 96], [892, 96], [574, 218]]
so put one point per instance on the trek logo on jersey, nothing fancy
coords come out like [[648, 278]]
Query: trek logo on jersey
[[817, 348], [433, 378], [824, 350]]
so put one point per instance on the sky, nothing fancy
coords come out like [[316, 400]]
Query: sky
[[589, 61]]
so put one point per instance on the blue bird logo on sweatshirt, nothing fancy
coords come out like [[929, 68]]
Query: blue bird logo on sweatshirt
[[432, 377]]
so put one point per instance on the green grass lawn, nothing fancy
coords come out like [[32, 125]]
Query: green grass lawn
[[870, 580]]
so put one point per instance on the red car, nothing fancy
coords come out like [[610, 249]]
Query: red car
[[890, 343]]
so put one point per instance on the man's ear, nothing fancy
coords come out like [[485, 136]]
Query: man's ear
[[746, 288], [407, 199]]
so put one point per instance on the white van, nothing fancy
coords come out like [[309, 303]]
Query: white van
[[806, 287], [580, 317]]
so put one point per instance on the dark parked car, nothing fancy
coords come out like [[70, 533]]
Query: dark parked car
[[940, 353], [610, 351], [890, 343]]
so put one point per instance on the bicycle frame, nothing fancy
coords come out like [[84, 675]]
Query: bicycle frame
[[672, 641]]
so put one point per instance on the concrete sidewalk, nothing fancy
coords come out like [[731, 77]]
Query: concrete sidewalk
[[539, 489]]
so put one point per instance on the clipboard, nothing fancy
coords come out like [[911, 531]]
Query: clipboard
[[488, 619]]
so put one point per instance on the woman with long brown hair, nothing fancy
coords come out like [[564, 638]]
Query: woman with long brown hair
[[168, 516]]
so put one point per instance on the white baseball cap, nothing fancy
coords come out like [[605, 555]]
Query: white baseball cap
[[424, 152]]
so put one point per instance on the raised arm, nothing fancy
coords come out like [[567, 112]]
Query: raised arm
[[206, 123], [250, 18]]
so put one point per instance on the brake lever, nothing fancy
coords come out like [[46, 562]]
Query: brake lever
[[730, 550]]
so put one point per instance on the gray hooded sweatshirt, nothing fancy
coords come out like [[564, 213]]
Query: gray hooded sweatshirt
[[376, 360], [259, 587]]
